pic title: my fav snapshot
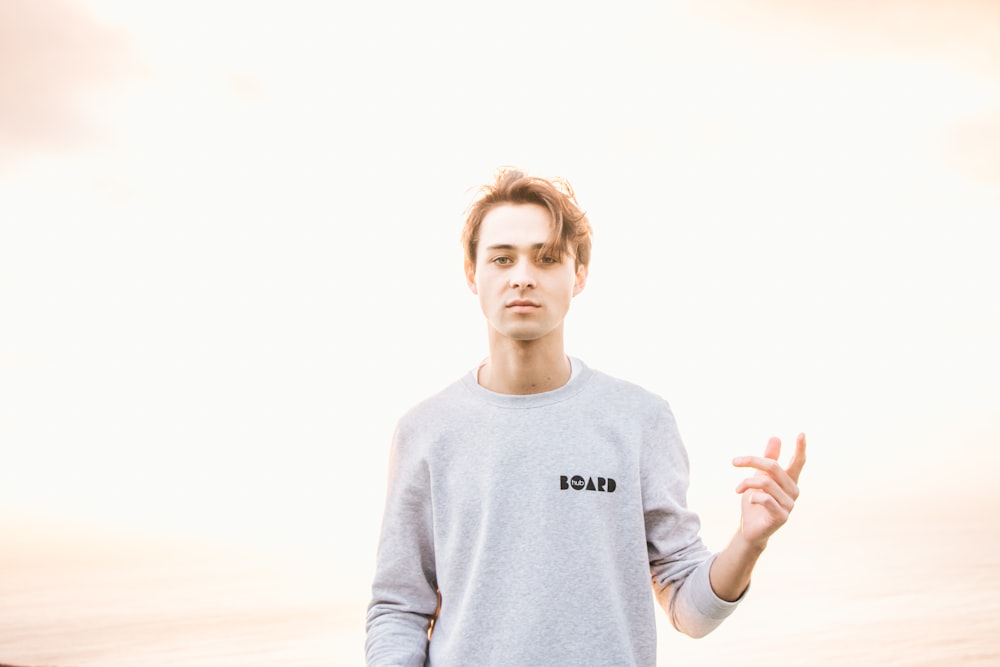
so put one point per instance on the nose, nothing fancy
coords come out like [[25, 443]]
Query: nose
[[521, 276]]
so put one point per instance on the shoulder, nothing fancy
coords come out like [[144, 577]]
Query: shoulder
[[626, 394], [440, 411], [621, 401]]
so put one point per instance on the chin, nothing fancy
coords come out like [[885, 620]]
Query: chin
[[525, 334]]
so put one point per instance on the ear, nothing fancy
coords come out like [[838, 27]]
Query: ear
[[470, 277], [581, 279]]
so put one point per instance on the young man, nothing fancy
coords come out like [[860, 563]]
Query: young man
[[531, 502]]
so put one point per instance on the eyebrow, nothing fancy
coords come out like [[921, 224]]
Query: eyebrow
[[508, 246]]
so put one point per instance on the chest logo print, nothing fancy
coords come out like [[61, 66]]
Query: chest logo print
[[578, 483]]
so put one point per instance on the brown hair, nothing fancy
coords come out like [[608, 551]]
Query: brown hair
[[570, 227]]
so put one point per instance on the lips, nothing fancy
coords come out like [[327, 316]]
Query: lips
[[523, 303], [523, 306]]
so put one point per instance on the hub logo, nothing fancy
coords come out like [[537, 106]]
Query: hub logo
[[578, 483]]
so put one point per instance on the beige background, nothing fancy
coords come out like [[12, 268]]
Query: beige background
[[229, 261]]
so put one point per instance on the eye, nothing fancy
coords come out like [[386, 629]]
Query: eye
[[502, 261], [548, 260]]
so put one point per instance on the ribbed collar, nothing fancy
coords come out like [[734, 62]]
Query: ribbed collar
[[579, 379]]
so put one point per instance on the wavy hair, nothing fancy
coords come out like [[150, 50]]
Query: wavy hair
[[570, 227]]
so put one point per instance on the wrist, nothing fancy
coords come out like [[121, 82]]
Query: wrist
[[746, 547]]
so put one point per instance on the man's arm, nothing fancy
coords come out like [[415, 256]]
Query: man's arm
[[679, 562], [768, 498], [404, 592]]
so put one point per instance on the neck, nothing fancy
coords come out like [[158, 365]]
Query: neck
[[525, 367]]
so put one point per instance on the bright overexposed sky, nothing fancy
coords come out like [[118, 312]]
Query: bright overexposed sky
[[229, 250]]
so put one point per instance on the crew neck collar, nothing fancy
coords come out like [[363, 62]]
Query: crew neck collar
[[581, 373]]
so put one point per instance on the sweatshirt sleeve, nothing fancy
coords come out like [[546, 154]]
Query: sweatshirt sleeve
[[404, 591], [679, 562]]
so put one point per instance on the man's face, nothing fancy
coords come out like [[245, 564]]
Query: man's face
[[524, 295]]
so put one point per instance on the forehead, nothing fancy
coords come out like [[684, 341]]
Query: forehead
[[516, 225]]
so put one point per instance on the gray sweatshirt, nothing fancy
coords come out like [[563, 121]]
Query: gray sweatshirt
[[539, 519]]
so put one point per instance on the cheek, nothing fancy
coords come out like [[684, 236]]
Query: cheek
[[572, 283], [490, 280], [479, 280]]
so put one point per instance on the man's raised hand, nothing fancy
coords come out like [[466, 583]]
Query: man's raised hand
[[770, 494]]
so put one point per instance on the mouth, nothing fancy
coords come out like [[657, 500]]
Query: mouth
[[523, 305]]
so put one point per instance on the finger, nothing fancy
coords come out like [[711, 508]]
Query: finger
[[765, 465], [773, 449], [767, 486], [768, 469], [771, 452], [768, 503], [798, 459]]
